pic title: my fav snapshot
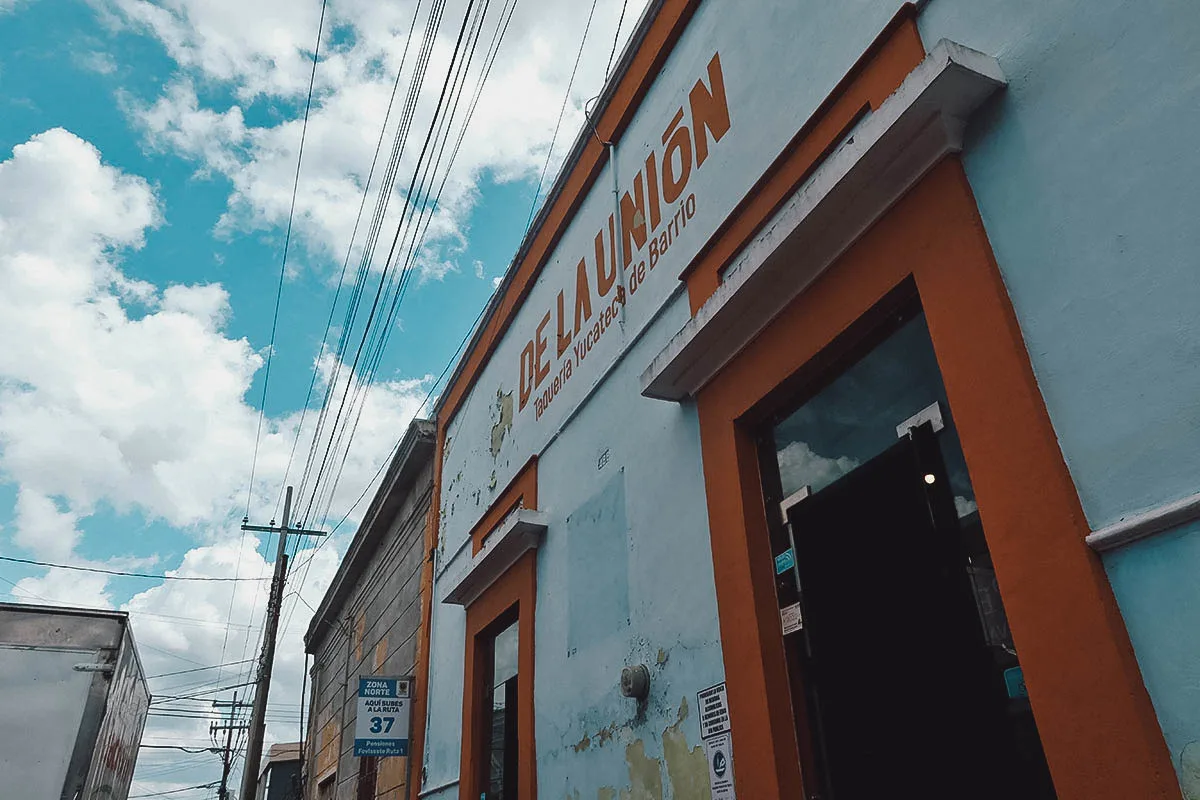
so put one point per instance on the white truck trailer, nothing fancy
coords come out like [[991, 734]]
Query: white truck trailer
[[73, 703]]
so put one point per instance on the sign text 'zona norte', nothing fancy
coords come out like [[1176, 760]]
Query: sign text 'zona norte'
[[654, 214], [381, 728]]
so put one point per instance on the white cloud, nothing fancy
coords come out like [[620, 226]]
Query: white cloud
[[262, 53], [42, 528], [96, 61], [179, 625], [61, 587], [259, 45], [800, 466], [177, 122], [146, 412], [116, 392], [208, 302]]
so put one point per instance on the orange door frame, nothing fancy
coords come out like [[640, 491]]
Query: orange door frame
[[1099, 731], [514, 592]]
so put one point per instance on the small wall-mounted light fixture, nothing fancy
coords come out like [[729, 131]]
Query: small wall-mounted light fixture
[[930, 478], [635, 682]]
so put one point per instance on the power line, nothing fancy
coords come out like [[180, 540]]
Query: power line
[[562, 110], [157, 699], [350, 245], [175, 747], [427, 209], [421, 227], [389, 262], [197, 669], [122, 573], [399, 144], [383, 200], [278, 297], [506, 14], [449, 363], [374, 339], [287, 238], [429, 394], [175, 791], [190, 620], [616, 39]]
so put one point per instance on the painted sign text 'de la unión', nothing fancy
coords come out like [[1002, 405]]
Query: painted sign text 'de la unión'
[[654, 213]]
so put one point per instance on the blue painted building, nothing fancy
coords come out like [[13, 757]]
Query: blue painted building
[[849, 448]]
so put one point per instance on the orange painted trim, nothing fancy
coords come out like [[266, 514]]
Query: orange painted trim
[[521, 490], [1098, 728], [664, 32], [420, 703], [515, 591], [873, 78]]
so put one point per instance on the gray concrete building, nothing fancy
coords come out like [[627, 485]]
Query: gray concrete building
[[367, 624]]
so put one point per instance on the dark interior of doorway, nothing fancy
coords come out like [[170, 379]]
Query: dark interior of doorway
[[902, 674], [501, 704]]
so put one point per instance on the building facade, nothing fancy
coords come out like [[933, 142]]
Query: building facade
[[367, 625], [280, 778], [833, 433]]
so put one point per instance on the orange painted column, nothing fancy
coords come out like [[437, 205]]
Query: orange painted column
[[1097, 724]]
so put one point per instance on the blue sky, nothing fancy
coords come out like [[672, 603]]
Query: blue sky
[[147, 152]]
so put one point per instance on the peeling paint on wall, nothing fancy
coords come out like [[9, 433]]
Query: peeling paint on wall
[[686, 767], [504, 412], [600, 738]]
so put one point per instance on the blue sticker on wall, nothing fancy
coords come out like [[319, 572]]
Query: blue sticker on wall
[[785, 561], [1014, 682]]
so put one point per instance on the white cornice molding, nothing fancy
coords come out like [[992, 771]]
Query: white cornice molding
[[884, 156], [1138, 526], [517, 534]]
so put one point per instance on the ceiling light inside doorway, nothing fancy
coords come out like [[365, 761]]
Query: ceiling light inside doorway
[[930, 478]]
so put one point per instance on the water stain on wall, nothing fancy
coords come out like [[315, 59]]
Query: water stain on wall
[[686, 767], [1189, 771], [645, 774]]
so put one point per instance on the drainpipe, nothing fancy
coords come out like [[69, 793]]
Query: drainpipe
[[349, 630], [618, 240], [619, 243]]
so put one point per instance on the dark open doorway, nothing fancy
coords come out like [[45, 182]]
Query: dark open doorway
[[905, 678]]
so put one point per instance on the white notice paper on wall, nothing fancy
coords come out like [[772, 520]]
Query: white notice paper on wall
[[791, 618], [719, 750], [714, 711]]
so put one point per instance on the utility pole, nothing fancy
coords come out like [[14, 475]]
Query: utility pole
[[227, 754], [266, 659]]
